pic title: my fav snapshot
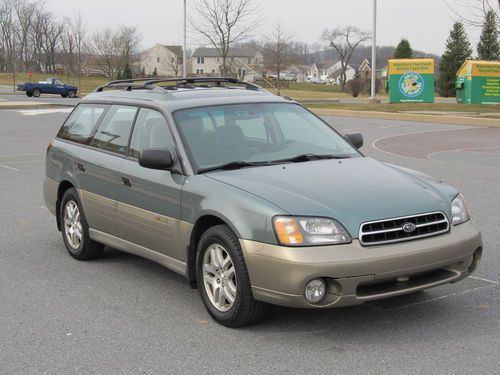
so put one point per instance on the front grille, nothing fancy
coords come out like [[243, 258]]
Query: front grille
[[391, 230]]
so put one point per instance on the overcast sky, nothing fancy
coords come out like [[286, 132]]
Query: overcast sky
[[426, 23]]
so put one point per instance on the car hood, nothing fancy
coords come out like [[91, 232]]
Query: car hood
[[352, 191]]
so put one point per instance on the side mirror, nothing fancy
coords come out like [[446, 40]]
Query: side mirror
[[355, 139], [156, 158]]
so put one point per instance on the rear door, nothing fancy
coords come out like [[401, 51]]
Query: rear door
[[150, 200], [99, 168]]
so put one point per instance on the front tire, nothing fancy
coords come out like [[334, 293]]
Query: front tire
[[75, 229], [71, 94], [223, 279]]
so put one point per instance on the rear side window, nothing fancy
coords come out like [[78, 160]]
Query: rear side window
[[150, 131], [81, 123], [114, 131]]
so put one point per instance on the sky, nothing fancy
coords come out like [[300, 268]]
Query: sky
[[426, 23]]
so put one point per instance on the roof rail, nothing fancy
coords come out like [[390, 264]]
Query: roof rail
[[135, 84]]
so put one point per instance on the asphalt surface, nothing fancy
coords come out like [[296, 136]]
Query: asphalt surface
[[125, 315]]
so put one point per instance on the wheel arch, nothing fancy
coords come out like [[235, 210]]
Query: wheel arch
[[63, 186]]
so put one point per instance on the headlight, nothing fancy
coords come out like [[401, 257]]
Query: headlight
[[459, 213], [309, 231]]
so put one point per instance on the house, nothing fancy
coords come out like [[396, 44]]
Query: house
[[300, 72], [365, 71], [329, 71], [166, 60], [244, 63]]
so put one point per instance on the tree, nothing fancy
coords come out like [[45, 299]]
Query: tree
[[458, 49], [345, 41], [222, 23], [276, 49], [126, 73], [473, 12], [155, 72], [403, 50], [489, 43]]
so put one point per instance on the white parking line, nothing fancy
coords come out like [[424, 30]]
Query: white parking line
[[483, 279], [7, 167]]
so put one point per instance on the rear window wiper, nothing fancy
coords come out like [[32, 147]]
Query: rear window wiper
[[310, 157], [234, 165]]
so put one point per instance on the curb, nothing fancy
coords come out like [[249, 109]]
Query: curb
[[6, 105], [450, 120]]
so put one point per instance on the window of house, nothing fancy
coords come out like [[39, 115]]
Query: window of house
[[172, 59], [213, 71], [217, 59], [158, 59], [200, 60], [199, 71], [114, 130], [81, 123]]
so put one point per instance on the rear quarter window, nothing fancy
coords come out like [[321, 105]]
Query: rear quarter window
[[81, 123]]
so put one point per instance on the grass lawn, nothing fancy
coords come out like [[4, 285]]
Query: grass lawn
[[403, 107], [89, 84]]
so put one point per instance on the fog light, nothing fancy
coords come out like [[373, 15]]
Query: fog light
[[475, 260], [315, 291]]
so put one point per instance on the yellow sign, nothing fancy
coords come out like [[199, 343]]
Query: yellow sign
[[482, 69], [402, 66]]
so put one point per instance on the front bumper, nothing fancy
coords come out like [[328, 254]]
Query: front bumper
[[355, 274]]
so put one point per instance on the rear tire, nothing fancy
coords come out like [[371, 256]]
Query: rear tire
[[64, 95], [75, 229], [29, 94], [223, 279], [37, 93]]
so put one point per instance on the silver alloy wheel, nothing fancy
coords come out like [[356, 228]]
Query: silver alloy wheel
[[73, 225], [219, 277]]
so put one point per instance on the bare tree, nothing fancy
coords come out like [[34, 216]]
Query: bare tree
[[223, 23], [276, 51], [25, 14], [52, 30], [79, 31], [345, 41], [8, 36], [473, 12]]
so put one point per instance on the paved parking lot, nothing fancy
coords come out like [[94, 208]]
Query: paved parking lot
[[123, 314]]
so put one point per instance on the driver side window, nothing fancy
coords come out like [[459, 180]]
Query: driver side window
[[150, 131]]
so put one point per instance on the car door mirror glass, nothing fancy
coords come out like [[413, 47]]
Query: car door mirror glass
[[156, 158]]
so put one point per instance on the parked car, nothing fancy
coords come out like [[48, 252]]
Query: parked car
[[51, 86], [251, 197]]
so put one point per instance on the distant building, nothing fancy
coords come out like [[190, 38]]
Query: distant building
[[300, 72], [167, 60], [365, 71], [243, 63], [329, 71]]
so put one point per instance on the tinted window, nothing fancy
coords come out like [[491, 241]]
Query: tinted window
[[114, 132], [150, 131], [81, 123]]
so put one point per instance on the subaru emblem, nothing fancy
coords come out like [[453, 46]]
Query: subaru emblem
[[409, 227]]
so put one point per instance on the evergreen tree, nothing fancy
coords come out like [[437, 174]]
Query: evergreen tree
[[155, 72], [126, 73], [489, 43], [403, 50], [458, 50], [118, 74]]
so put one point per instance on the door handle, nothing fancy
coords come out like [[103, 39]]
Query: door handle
[[126, 182], [80, 167]]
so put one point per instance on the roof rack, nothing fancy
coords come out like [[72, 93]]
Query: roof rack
[[152, 83]]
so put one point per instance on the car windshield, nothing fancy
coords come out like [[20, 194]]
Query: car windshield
[[256, 134]]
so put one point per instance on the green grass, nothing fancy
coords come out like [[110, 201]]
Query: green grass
[[88, 84], [403, 107]]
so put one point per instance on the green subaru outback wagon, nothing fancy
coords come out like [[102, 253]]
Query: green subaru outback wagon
[[251, 197]]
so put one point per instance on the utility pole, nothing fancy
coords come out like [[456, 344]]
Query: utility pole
[[374, 52], [184, 62]]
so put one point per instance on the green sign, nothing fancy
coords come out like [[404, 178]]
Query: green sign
[[478, 82], [411, 81]]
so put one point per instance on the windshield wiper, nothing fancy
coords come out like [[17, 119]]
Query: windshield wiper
[[310, 157], [234, 165]]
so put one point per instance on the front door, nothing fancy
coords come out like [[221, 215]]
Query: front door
[[150, 200]]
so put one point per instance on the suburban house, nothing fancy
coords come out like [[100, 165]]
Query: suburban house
[[300, 72], [167, 60], [329, 71], [365, 71], [244, 63]]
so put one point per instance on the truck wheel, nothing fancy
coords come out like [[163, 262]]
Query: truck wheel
[[64, 95], [71, 93], [223, 279], [75, 229], [29, 94], [37, 93]]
